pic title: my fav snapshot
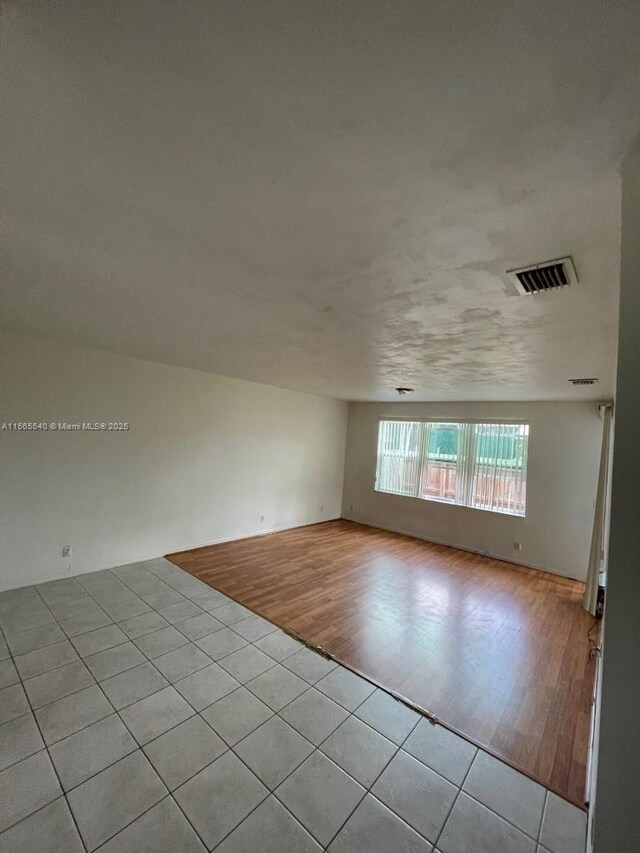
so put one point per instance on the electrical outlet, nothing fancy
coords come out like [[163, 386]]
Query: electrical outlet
[[517, 546], [262, 518], [322, 508], [67, 550]]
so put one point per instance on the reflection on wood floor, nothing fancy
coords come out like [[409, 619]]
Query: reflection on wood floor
[[496, 651]]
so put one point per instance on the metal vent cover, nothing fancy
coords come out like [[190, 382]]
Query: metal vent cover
[[591, 380], [540, 278]]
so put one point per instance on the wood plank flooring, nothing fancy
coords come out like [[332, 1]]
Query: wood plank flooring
[[498, 652]]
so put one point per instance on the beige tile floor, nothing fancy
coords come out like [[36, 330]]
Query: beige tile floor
[[142, 711]]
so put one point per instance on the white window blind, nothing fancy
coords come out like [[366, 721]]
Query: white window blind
[[481, 465]]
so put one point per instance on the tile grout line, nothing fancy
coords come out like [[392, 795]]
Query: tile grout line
[[168, 796], [116, 711], [57, 621], [368, 790], [47, 746], [82, 660], [230, 749], [45, 749], [28, 713], [274, 713], [113, 622], [135, 592], [402, 699], [544, 812], [478, 750], [138, 748], [282, 662], [96, 683], [53, 668], [197, 713], [293, 770], [534, 838], [455, 800], [461, 790], [315, 748]]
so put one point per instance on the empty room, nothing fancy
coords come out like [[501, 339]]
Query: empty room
[[318, 415]]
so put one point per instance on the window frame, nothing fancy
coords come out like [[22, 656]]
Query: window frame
[[457, 420]]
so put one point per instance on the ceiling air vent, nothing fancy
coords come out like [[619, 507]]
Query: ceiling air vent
[[551, 275], [590, 381]]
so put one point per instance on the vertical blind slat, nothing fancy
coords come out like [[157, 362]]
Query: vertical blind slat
[[481, 465]]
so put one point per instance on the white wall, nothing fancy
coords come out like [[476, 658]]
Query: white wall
[[564, 452], [616, 818], [205, 458]]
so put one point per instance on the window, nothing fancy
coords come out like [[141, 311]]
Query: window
[[481, 465]]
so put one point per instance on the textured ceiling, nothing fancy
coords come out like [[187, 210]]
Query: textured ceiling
[[321, 195]]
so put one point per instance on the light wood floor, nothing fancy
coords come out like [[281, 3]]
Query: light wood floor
[[496, 651]]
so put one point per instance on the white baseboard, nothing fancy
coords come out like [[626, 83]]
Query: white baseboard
[[252, 535], [60, 574], [492, 554]]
